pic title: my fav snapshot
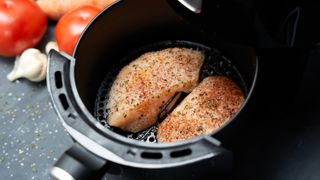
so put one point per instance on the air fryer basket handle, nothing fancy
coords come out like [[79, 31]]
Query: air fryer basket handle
[[59, 85], [78, 164]]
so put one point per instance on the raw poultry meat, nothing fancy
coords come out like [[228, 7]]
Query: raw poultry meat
[[206, 108], [147, 83]]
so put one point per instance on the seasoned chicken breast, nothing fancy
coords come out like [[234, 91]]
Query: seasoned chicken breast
[[147, 83], [205, 109]]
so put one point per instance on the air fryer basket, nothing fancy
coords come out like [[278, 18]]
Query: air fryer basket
[[115, 37], [214, 64]]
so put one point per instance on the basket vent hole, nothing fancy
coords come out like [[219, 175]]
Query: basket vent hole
[[100, 111], [181, 153], [103, 122], [151, 155], [58, 79], [64, 102], [134, 136], [151, 139]]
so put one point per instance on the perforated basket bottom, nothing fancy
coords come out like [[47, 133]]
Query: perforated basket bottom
[[215, 64]]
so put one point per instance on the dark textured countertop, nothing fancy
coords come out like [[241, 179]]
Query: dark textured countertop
[[31, 136]]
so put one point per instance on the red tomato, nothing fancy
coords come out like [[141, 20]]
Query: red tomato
[[71, 25], [22, 25]]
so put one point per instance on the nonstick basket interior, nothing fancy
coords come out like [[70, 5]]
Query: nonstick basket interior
[[215, 64]]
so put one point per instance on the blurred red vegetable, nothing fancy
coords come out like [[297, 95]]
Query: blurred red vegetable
[[22, 25], [71, 25]]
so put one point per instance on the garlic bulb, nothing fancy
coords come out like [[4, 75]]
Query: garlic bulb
[[32, 64]]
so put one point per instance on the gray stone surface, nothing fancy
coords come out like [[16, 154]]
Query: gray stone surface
[[31, 135]]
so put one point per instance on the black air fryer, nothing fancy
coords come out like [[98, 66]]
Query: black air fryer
[[227, 32]]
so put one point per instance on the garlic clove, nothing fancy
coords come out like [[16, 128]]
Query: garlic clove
[[15, 74], [51, 45], [42, 68], [31, 64]]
